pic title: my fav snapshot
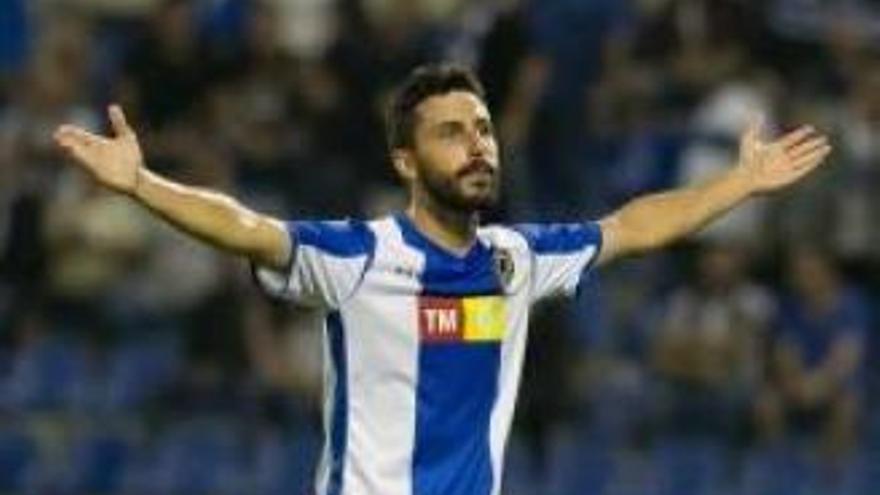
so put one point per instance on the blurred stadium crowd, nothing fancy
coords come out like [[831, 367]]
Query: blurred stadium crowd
[[135, 361]]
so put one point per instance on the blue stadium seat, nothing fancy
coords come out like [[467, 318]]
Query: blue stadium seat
[[18, 453], [689, 466], [201, 458], [582, 465], [43, 375], [98, 461], [284, 464], [139, 371], [780, 469], [15, 35]]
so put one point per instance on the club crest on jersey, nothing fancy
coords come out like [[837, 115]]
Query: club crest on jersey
[[503, 264], [461, 319]]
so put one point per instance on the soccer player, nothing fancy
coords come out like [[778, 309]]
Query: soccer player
[[426, 311]]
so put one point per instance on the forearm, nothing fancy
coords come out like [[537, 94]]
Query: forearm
[[212, 217], [656, 220]]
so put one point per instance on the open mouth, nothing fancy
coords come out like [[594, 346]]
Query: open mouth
[[481, 180], [480, 175], [478, 168]]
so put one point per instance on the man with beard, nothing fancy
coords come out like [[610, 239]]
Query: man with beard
[[425, 312]]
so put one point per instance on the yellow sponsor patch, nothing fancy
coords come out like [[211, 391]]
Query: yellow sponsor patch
[[466, 319], [484, 318]]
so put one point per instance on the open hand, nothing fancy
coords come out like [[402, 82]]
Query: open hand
[[114, 162], [773, 165]]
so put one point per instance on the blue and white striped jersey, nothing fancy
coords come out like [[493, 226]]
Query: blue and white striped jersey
[[423, 349]]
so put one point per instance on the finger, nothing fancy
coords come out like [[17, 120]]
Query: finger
[[753, 128], [805, 171], [75, 151], [807, 165], [796, 136], [807, 147], [117, 119], [72, 135], [811, 160]]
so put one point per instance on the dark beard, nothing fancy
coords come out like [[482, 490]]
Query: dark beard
[[446, 192]]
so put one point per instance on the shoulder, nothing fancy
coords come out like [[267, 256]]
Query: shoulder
[[342, 238], [503, 237], [559, 238]]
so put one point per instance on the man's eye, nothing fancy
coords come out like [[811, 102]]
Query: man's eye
[[484, 128], [449, 132]]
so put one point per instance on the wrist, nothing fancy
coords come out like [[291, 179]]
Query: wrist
[[140, 177], [742, 181]]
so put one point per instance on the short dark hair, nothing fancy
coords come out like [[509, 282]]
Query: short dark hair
[[422, 83]]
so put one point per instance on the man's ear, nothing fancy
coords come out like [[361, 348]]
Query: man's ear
[[404, 164]]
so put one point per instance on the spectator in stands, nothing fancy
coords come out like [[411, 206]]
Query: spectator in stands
[[816, 380], [858, 201], [166, 71], [707, 347], [54, 91]]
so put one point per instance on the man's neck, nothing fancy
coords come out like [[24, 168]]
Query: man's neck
[[451, 230]]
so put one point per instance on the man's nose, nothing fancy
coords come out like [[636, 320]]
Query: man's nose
[[478, 144]]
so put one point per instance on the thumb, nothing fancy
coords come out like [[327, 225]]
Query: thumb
[[117, 120], [753, 129]]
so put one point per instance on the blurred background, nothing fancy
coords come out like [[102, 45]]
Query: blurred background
[[134, 361]]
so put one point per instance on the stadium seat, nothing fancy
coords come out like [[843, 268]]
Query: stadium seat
[[689, 466], [201, 458], [43, 374], [97, 461], [18, 452], [284, 463], [138, 372]]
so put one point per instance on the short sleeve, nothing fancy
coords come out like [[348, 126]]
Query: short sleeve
[[562, 254], [328, 261]]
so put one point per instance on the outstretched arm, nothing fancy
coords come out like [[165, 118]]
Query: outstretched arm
[[656, 220], [117, 163]]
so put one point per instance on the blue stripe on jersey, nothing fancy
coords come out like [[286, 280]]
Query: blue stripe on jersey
[[339, 238], [457, 383], [561, 238], [338, 434]]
